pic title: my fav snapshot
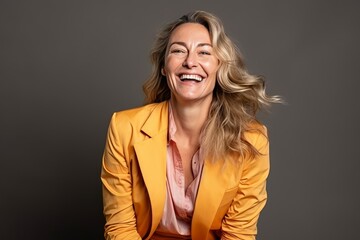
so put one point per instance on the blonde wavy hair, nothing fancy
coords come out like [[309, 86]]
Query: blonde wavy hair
[[236, 98]]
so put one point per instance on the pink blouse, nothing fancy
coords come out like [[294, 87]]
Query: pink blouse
[[179, 202]]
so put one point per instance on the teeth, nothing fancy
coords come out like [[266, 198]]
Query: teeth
[[192, 77]]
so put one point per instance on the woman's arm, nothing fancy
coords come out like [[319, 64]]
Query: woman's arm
[[117, 184], [240, 222]]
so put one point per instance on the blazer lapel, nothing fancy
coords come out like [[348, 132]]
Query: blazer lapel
[[151, 155], [211, 191]]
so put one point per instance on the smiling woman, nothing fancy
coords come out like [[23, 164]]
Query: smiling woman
[[190, 64], [193, 162]]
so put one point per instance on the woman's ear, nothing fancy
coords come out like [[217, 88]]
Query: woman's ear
[[163, 71]]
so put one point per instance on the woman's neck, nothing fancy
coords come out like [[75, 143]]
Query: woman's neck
[[189, 119]]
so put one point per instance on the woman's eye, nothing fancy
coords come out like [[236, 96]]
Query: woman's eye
[[177, 51], [205, 53]]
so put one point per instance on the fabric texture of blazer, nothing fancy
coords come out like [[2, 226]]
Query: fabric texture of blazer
[[229, 198]]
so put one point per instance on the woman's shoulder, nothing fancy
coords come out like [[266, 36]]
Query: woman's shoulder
[[256, 133], [257, 126]]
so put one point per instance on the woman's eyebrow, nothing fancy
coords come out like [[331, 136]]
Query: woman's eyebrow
[[204, 44], [184, 44]]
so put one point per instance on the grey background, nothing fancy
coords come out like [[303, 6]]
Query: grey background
[[65, 66]]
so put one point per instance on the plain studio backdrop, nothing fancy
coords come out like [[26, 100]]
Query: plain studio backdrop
[[66, 66]]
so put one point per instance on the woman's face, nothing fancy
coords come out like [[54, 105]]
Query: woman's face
[[190, 63]]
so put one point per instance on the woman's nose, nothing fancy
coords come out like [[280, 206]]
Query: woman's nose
[[190, 61]]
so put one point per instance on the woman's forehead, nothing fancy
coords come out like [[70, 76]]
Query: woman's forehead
[[190, 32]]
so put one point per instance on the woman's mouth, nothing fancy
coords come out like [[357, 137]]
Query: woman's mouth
[[190, 77]]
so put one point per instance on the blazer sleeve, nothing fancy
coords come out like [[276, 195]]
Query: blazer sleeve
[[240, 222], [116, 182]]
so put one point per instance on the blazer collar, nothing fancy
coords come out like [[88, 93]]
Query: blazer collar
[[157, 120], [151, 155]]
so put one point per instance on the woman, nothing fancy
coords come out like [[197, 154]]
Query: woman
[[193, 162]]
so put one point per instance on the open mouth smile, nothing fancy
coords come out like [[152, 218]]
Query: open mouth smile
[[191, 77]]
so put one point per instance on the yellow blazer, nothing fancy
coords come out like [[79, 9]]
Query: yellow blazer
[[229, 198]]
